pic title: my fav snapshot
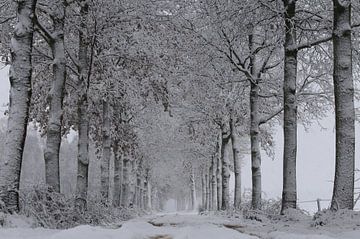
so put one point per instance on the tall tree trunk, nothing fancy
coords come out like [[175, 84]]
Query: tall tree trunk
[[213, 184], [53, 136], [219, 179], [289, 195], [207, 191], [126, 185], [83, 117], [106, 152], [210, 188], [193, 190], [20, 94], [203, 191], [237, 162], [343, 194], [148, 191], [225, 169], [117, 175], [254, 43]]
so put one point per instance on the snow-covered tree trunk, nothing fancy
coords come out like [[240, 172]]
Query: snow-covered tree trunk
[[117, 175], [148, 192], [254, 43], [225, 171], [219, 179], [343, 194], [106, 152], [210, 188], [289, 195], [53, 135], [213, 184], [126, 185], [193, 190], [237, 163], [83, 117], [207, 192], [203, 191], [20, 94]]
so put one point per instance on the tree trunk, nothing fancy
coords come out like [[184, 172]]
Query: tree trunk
[[126, 185], [343, 193], [203, 191], [207, 192], [193, 190], [20, 94], [148, 192], [254, 43], [210, 188], [83, 117], [213, 184], [219, 179], [106, 152], [289, 195], [53, 135], [225, 170], [237, 163], [117, 175]]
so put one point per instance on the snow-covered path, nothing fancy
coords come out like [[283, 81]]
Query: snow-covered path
[[173, 226]]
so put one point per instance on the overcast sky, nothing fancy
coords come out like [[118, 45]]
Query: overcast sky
[[315, 168]]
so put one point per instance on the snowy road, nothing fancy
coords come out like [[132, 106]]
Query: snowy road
[[170, 226]]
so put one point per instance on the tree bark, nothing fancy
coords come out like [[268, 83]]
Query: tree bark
[[225, 169], [203, 191], [207, 192], [289, 195], [254, 43], [237, 163], [343, 193], [219, 178], [83, 117], [54, 134], [20, 95], [126, 185], [117, 175], [193, 190], [213, 184], [106, 152]]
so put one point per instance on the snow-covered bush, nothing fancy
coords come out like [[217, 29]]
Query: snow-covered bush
[[338, 219], [53, 210]]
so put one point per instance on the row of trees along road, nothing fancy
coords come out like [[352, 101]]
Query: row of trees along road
[[225, 73]]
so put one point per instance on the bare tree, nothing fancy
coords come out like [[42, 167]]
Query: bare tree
[[20, 94]]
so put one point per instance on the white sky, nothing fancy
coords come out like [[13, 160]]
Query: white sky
[[315, 168]]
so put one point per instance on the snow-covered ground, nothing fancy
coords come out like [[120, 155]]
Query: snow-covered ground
[[187, 226]]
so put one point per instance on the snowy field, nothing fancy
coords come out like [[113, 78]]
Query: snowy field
[[186, 226]]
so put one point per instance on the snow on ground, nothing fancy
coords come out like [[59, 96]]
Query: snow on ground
[[188, 226]]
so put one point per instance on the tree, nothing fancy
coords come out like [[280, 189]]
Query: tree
[[343, 194], [55, 40], [20, 94]]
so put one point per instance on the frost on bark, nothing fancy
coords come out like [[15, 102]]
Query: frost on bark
[[106, 152], [237, 163], [289, 195], [83, 117], [343, 193], [20, 94], [225, 171], [53, 135]]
